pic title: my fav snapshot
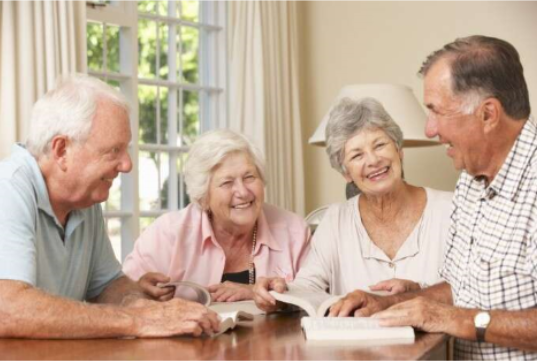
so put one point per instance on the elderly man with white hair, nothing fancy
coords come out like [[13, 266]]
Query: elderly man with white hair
[[228, 236], [54, 250]]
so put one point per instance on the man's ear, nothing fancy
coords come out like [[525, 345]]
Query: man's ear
[[59, 149], [491, 110]]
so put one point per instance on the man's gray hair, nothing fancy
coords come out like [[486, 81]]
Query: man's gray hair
[[482, 67], [68, 110], [209, 151], [348, 118]]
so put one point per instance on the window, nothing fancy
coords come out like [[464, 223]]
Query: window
[[168, 58]]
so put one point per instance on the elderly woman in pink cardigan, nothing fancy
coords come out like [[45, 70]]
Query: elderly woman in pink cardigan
[[228, 236]]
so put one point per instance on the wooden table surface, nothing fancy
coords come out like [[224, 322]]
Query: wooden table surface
[[273, 337]]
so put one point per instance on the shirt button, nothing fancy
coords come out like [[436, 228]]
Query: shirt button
[[392, 265]]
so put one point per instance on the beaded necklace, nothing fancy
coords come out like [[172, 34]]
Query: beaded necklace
[[251, 268]]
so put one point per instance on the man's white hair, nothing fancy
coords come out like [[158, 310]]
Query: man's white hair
[[69, 109], [209, 151]]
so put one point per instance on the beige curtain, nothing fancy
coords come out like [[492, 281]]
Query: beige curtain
[[264, 99], [39, 40]]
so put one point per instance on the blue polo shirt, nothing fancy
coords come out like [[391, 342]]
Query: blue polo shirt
[[75, 262]]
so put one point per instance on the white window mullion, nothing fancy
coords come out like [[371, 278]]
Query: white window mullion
[[211, 70], [172, 105]]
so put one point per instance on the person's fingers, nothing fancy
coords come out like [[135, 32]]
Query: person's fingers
[[214, 320], [149, 283], [242, 295], [385, 285], [397, 289], [157, 292], [261, 292], [235, 297], [364, 312], [334, 309], [205, 323], [381, 286], [166, 297], [347, 308], [155, 277], [278, 284], [193, 328], [224, 296], [214, 288]]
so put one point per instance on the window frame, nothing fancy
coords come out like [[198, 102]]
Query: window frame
[[213, 111]]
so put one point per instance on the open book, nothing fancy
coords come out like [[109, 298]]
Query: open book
[[347, 329], [316, 304], [354, 330], [231, 313]]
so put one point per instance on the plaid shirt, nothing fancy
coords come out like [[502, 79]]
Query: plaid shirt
[[491, 257]]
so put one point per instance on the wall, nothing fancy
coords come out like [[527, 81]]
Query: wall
[[385, 42]]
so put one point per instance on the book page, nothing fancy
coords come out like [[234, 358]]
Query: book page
[[352, 328], [309, 301], [246, 306], [229, 320]]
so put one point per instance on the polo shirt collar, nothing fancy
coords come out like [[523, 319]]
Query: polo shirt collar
[[40, 187], [507, 181], [41, 191]]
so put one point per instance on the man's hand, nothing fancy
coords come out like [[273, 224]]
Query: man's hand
[[149, 284], [359, 304], [395, 286], [174, 317], [422, 313], [231, 292], [263, 298]]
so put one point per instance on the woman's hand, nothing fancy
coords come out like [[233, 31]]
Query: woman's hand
[[395, 286], [149, 284], [263, 299], [231, 292]]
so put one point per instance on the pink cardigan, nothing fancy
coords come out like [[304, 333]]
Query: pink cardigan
[[181, 245]]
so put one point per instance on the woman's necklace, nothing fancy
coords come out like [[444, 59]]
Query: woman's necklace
[[251, 268]]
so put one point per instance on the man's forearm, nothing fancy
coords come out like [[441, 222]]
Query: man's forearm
[[27, 312], [121, 291], [507, 328]]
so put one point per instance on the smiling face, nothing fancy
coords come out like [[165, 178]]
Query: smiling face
[[236, 192], [461, 133], [373, 162], [94, 164]]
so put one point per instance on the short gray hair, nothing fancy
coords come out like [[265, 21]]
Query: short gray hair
[[481, 67], [348, 118], [69, 109], [209, 151]]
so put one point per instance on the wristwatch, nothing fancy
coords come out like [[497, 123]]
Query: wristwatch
[[481, 322]]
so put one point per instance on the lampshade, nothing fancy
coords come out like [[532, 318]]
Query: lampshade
[[399, 102]]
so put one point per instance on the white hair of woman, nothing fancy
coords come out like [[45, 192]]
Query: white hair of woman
[[350, 117], [69, 110], [210, 150]]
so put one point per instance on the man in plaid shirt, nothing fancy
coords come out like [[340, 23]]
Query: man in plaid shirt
[[479, 108]]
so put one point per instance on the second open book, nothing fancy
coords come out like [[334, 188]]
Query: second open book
[[231, 313], [354, 329]]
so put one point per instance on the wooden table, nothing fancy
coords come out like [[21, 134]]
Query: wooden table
[[274, 337]]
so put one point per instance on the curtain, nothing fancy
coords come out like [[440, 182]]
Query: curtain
[[264, 97], [39, 40]]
